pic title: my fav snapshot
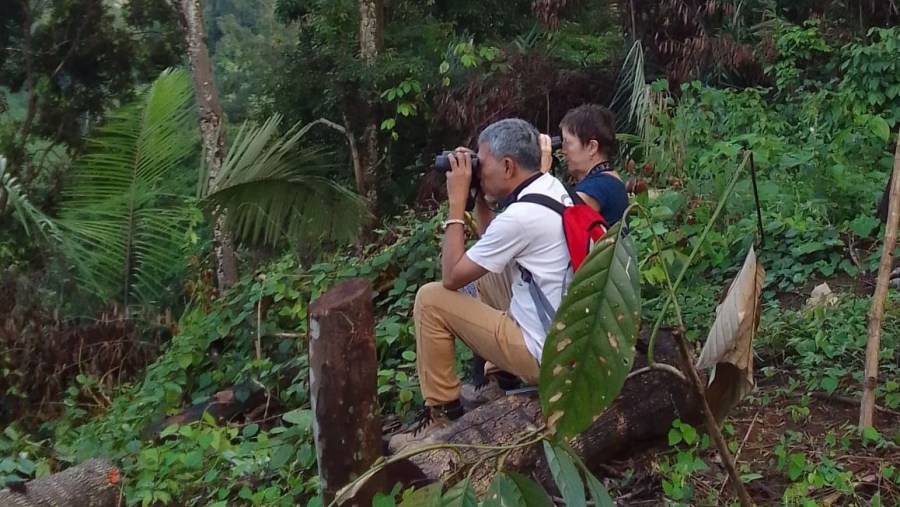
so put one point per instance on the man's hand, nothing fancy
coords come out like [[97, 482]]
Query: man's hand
[[456, 268], [459, 178], [546, 152]]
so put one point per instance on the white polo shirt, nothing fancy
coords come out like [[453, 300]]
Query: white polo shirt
[[532, 236]]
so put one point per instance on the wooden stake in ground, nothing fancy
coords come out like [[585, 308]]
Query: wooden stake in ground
[[343, 369], [713, 427], [873, 346]]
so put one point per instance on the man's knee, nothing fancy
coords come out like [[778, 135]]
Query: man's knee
[[429, 295]]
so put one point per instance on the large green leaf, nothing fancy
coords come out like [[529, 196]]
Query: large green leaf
[[429, 496], [515, 490], [125, 215], [566, 475], [460, 495], [590, 347], [274, 189], [599, 493], [502, 493], [533, 495]]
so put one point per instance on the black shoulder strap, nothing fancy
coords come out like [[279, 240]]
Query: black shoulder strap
[[576, 199], [544, 200], [514, 195]]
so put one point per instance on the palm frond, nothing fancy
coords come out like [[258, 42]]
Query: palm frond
[[14, 197], [127, 207], [274, 189], [629, 101]]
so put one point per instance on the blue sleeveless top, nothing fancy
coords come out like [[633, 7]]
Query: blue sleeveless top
[[608, 190]]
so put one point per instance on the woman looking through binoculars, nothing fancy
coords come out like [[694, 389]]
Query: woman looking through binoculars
[[588, 146]]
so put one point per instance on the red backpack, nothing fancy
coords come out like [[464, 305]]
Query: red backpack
[[583, 225]]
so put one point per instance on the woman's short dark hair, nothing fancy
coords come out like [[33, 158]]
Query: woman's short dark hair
[[591, 121]]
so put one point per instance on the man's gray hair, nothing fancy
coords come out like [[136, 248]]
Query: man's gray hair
[[516, 139]]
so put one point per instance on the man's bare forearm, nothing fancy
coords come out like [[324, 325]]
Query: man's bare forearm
[[454, 240]]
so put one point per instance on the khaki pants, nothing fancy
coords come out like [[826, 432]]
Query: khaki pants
[[483, 324]]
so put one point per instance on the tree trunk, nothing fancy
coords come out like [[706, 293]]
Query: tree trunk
[[371, 28], [94, 483], [213, 131], [641, 415], [3, 194], [359, 171], [882, 210], [343, 371], [29, 85]]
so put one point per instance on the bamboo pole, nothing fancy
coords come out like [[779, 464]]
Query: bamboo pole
[[876, 311]]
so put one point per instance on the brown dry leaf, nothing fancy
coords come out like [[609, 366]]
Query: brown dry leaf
[[729, 346], [830, 500]]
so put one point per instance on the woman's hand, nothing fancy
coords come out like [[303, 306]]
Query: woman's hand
[[546, 152]]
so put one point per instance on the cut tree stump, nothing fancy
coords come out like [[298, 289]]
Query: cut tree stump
[[343, 376], [93, 483], [642, 414]]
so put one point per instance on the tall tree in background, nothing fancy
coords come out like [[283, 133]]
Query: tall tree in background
[[246, 58], [72, 59], [371, 40], [336, 72], [63, 63], [213, 131]]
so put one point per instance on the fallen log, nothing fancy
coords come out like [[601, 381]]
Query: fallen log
[[222, 406], [93, 483], [640, 416]]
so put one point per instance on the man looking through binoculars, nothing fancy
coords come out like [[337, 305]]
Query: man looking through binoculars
[[524, 241]]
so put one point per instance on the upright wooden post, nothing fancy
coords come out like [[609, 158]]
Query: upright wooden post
[[343, 369], [876, 311]]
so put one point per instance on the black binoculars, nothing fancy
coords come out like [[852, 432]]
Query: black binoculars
[[442, 164]]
